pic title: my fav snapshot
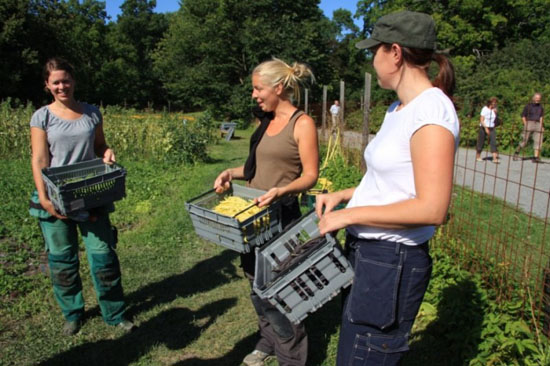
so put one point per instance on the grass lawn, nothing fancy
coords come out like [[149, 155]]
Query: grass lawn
[[187, 296]]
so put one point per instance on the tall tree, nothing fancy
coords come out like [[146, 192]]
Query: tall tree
[[206, 57], [471, 26], [36, 30], [127, 74], [16, 53]]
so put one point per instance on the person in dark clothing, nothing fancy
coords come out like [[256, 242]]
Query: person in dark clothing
[[532, 118]]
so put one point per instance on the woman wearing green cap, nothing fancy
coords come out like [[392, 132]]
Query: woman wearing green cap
[[403, 196]]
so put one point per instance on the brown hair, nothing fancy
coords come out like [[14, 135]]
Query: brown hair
[[491, 101], [422, 58], [56, 64]]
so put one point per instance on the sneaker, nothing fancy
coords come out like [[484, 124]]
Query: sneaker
[[516, 157], [126, 325], [256, 358], [535, 160], [496, 161], [71, 327], [479, 159]]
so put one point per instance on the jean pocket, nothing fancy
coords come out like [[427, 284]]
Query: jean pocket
[[418, 280], [376, 349], [373, 298]]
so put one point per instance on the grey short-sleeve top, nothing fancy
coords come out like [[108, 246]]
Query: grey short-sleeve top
[[69, 141]]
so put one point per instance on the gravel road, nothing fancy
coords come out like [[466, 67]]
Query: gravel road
[[522, 183]]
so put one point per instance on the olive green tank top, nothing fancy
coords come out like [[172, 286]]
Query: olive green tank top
[[277, 158]]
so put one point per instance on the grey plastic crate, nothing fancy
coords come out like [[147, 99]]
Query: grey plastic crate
[[311, 276], [227, 231], [84, 185]]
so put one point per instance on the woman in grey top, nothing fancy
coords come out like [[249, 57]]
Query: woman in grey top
[[66, 132]]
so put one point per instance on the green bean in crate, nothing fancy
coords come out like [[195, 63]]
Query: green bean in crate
[[84, 185], [227, 231]]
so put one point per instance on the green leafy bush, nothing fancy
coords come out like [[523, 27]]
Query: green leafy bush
[[14, 130]]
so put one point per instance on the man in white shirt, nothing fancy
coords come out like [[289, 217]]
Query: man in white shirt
[[335, 113]]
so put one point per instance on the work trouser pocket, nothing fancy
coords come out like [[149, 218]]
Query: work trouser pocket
[[416, 282], [374, 293], [377, 349]]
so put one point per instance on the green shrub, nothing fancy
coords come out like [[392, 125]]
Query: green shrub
[[14, 130]]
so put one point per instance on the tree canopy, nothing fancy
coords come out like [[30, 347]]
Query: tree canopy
[[201, 56]]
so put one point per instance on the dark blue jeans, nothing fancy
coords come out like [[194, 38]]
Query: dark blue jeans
[[379, 310]]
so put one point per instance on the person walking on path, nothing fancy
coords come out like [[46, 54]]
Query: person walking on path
[[62, 133], [488, 128], [335, 114], [284, 161], [405, 193], [532, 118]]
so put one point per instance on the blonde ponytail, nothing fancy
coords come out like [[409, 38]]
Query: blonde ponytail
[[276, 71]]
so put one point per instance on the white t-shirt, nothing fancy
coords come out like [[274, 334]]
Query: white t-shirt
[[389, 177], [335, 109], [490, 116]]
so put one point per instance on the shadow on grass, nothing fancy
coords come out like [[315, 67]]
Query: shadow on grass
[[202, 277], [452, 338], [174, 328], [233, 357], [320, 326]]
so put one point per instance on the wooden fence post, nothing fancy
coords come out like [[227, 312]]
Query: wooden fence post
[[366, 110], [324, 116], [342, 103]]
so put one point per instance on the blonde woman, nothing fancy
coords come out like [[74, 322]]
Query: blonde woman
[[283, 161]]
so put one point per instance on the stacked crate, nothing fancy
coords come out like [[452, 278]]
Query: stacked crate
[[299, 271]]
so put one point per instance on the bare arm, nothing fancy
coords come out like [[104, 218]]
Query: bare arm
[[223, 181], [482, 121], [305, 135], [432, 153], [326, 202], [100, 146], [41, 159]]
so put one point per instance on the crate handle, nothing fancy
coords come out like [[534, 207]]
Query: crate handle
[[244, 210], [202, 195]]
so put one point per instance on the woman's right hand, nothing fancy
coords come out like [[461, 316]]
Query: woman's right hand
[[49, 207], [325, 203], [223, 181]]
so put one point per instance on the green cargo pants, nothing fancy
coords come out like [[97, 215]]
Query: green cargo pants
[[61, 239]]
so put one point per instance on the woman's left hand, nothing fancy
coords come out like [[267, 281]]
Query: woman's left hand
[[109, 156], [268, 197], [332, 221]]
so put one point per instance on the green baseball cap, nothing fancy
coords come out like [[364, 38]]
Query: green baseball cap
[[406, 28]]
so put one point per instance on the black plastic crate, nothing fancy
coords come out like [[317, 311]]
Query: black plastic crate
[[229, 232], [299, 271], [85, 185]]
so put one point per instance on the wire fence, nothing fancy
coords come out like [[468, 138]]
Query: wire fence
[[498, 225]]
